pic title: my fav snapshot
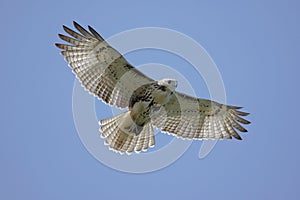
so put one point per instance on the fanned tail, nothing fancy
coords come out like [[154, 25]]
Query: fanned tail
[[124, 136]]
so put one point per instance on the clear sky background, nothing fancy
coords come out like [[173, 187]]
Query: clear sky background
[[256, 47]]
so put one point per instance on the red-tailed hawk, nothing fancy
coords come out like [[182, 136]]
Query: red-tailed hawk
[[104, 72]]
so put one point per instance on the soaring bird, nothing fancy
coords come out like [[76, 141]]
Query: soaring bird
[[104, 72]]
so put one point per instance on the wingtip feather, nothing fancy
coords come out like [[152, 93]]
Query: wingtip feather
[[95, 33], [58, 45]]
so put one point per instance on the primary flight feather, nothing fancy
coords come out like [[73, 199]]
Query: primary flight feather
[[104, 72]]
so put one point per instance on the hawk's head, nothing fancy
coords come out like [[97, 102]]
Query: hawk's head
[[169, 83]]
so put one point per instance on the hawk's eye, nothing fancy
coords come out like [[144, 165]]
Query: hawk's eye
[[169, 81]]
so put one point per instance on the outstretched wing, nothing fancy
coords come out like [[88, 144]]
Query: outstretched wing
[[101, 69], [194, 118]]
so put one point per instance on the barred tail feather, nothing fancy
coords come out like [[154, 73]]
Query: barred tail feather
[[124, 136]]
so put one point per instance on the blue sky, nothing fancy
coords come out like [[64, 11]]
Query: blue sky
[[255, 45]]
